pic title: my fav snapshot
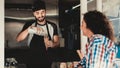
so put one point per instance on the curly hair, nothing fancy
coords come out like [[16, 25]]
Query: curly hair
[[98, 23]]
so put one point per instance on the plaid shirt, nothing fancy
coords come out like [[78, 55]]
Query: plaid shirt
[[100, 53]]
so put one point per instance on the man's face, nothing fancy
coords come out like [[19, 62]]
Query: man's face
[[40, 15]]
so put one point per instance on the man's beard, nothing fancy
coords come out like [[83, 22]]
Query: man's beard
[[40, 20]]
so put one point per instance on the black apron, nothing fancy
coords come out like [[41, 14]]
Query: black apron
[[38, 56]]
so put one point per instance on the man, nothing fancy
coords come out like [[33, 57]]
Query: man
[[41, 35]]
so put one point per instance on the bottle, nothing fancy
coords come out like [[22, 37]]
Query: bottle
[[13, 63], [7, 63]]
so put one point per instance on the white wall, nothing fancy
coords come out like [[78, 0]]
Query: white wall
[[2, 34]]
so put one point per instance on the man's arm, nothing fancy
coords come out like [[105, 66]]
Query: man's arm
[[55, 41], [24, 32], [52, 43], [56, 37], [30, 29], [22, 35]]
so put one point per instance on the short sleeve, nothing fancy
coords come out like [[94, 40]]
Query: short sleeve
[[27, 24], [55, 30]]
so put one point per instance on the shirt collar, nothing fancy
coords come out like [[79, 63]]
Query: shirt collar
[[41, 24]]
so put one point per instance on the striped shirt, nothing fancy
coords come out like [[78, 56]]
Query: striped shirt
[[100, 53]]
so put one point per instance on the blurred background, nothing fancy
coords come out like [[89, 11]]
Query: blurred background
[[65, 14]]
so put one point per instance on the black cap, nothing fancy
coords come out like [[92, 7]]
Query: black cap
[[37, 5]]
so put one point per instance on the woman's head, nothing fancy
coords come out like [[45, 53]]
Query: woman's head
[[98, 23]]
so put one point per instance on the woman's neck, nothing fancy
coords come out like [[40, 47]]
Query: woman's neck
[[90, 34]]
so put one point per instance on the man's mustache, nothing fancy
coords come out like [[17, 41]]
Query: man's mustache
[[41, 17]]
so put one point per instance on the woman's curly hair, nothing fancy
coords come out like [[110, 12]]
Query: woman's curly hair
[[98, 23]]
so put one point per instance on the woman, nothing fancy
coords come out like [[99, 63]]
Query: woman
[[100, 49]]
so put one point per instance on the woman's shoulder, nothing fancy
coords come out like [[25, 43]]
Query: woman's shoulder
[[104, 40], [101, 39], [97, 37]]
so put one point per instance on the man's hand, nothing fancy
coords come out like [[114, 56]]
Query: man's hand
[[35, 30], [48, 43]]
